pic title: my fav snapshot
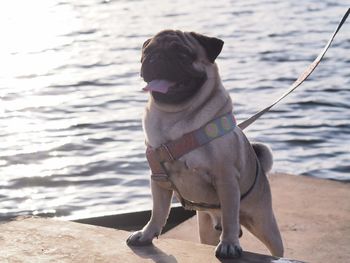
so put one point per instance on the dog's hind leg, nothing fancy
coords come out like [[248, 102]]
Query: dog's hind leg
[[208, 234], [263, 225]]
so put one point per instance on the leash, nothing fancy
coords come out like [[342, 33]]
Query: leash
[[216, 128], [302, 77]]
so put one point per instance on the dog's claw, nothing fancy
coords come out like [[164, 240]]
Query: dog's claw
[[227, 251], [135, 240]]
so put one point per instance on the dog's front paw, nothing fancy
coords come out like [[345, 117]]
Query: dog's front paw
[[227, 250], [138, 239]]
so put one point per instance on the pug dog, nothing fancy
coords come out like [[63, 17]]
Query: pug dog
[[186, 93]]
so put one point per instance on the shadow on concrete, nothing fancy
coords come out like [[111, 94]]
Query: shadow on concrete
[[153, 253]]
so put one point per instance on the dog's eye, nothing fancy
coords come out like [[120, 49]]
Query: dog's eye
[[183, 55], [186, 56]]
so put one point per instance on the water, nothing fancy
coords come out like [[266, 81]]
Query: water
[[71, 137]]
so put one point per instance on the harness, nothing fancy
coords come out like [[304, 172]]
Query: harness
[[174, 150]]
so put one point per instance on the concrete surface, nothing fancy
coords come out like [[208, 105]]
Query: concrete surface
[[38, 240]]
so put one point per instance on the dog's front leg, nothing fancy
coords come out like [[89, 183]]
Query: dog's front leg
[[161, 206], [229, 196]]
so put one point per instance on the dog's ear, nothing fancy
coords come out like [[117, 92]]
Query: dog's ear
[[212, 45], [146, 43]]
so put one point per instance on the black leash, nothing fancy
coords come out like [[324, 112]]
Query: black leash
[[307, 72]]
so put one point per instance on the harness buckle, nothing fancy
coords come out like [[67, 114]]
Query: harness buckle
[[165, 153]]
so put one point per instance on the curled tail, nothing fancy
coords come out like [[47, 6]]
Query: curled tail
[[264, 154]]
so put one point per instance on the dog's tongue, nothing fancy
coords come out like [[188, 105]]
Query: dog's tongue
[[159, 85]]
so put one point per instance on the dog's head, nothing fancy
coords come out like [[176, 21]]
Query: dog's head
[[170, 62]]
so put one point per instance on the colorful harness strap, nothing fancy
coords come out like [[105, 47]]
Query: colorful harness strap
[[173, 150]]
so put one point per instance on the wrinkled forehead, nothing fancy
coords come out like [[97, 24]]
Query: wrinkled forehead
[[167, 37]]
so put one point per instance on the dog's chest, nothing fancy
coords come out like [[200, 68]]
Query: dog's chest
[[194, 184]]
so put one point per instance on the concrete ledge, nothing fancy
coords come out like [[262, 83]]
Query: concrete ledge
[[48, 240]]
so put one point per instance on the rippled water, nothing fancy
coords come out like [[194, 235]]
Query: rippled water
[[71, 105]]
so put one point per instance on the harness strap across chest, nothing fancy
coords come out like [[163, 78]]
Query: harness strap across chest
[[175, 149]]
